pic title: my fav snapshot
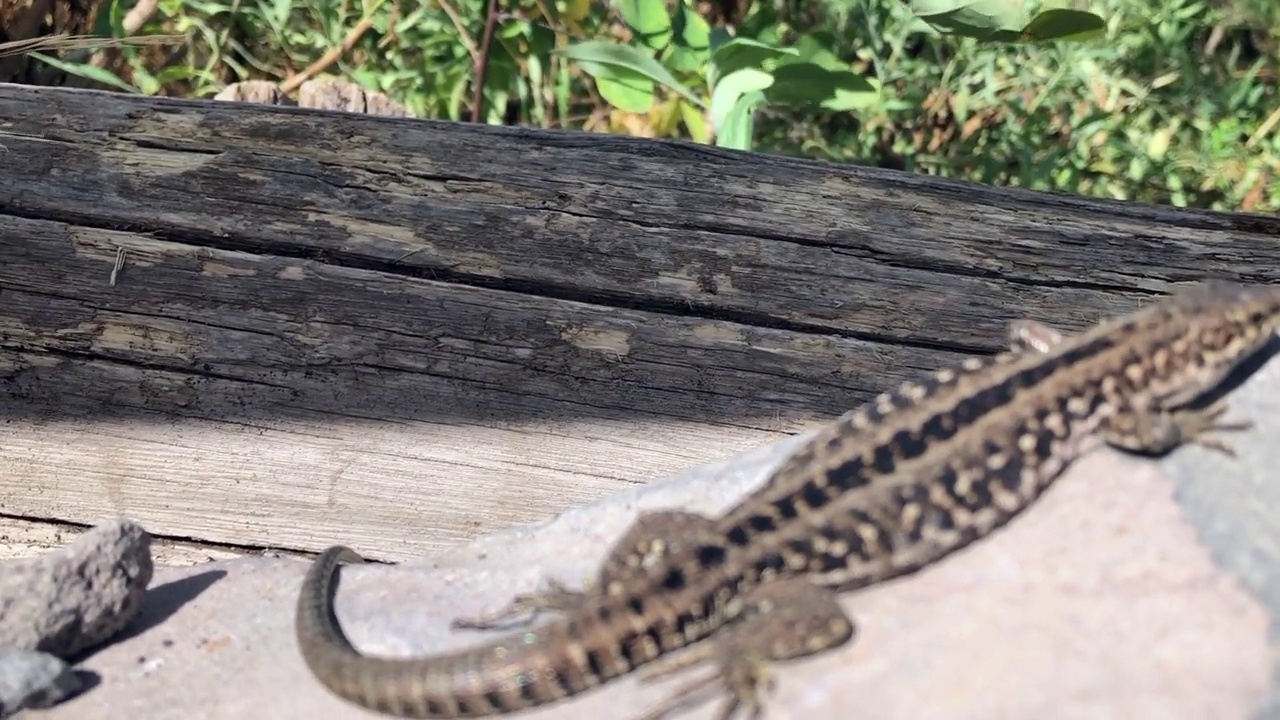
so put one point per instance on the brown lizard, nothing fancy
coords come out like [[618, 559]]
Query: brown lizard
[[886, 489]]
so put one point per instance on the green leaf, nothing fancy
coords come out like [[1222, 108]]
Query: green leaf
[[564, 82], [495, 105], [815, 48], [1006, 20], [89, 72], [807, 84], [763, 24], [107, 22], [458, 96], [145, 81], [510, 30], [538, 109], [740, 123], [176, 73], [631, 94], [648, 19], [988, 20], [278, 15], [718, 38], [741, 53], [624, 89], [695, 122], [727, 94], [625, 58], [1062, 24], [691, 49]]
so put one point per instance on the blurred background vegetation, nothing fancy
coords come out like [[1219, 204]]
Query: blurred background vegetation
[[1165, 101]]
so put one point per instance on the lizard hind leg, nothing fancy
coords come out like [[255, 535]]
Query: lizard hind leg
[[781, 620], [652, 537], [1157, 431]]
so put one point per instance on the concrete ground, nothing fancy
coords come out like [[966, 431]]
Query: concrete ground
[[1133, 589]]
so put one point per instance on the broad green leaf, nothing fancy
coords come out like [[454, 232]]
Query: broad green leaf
[[741, 53], [623, 88], [695, 122], [807, 84], [648, 19], [1006, 20], [990, 20], [815, 48], [740, 123], [718, 37], [691, 48], [665, 118], [763, 25], [729, 92], [856, 94], [626, 57], [278, 14], [1064, 25], [630, 94]]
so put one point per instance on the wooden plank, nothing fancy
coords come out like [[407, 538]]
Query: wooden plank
[[673, 227], [401, 333], [249, 398]]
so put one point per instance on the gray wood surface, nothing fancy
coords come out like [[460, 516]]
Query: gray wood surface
[[400, 334]]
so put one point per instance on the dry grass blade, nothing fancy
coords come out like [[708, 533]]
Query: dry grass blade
[[81, 42]]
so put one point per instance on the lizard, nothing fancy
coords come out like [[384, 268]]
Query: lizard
[[886, 489]]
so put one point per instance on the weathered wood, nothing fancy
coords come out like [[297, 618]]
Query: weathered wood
[[401, 333]]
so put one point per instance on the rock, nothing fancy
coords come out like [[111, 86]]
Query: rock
[[31, 679], [74, 598]]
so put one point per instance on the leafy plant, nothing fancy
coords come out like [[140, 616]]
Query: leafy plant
[[729, 78]]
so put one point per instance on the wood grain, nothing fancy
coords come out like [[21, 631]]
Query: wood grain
[[400, 333]]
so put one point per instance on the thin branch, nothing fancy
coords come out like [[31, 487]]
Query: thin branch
[[463, 35], [482, 63]]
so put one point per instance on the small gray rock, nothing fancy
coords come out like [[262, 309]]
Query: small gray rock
[[73, 598], [30, 679]]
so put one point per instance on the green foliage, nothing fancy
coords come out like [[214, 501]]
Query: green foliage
[[1168, 105], [735, 76], [1006, 20], [1168, 101], [728, 76]]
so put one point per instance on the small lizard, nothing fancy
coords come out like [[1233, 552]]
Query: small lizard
[[883, 491]]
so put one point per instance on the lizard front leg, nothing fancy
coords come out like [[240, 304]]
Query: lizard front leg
[[1154, 428], [781, 620], [1157, 431]]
